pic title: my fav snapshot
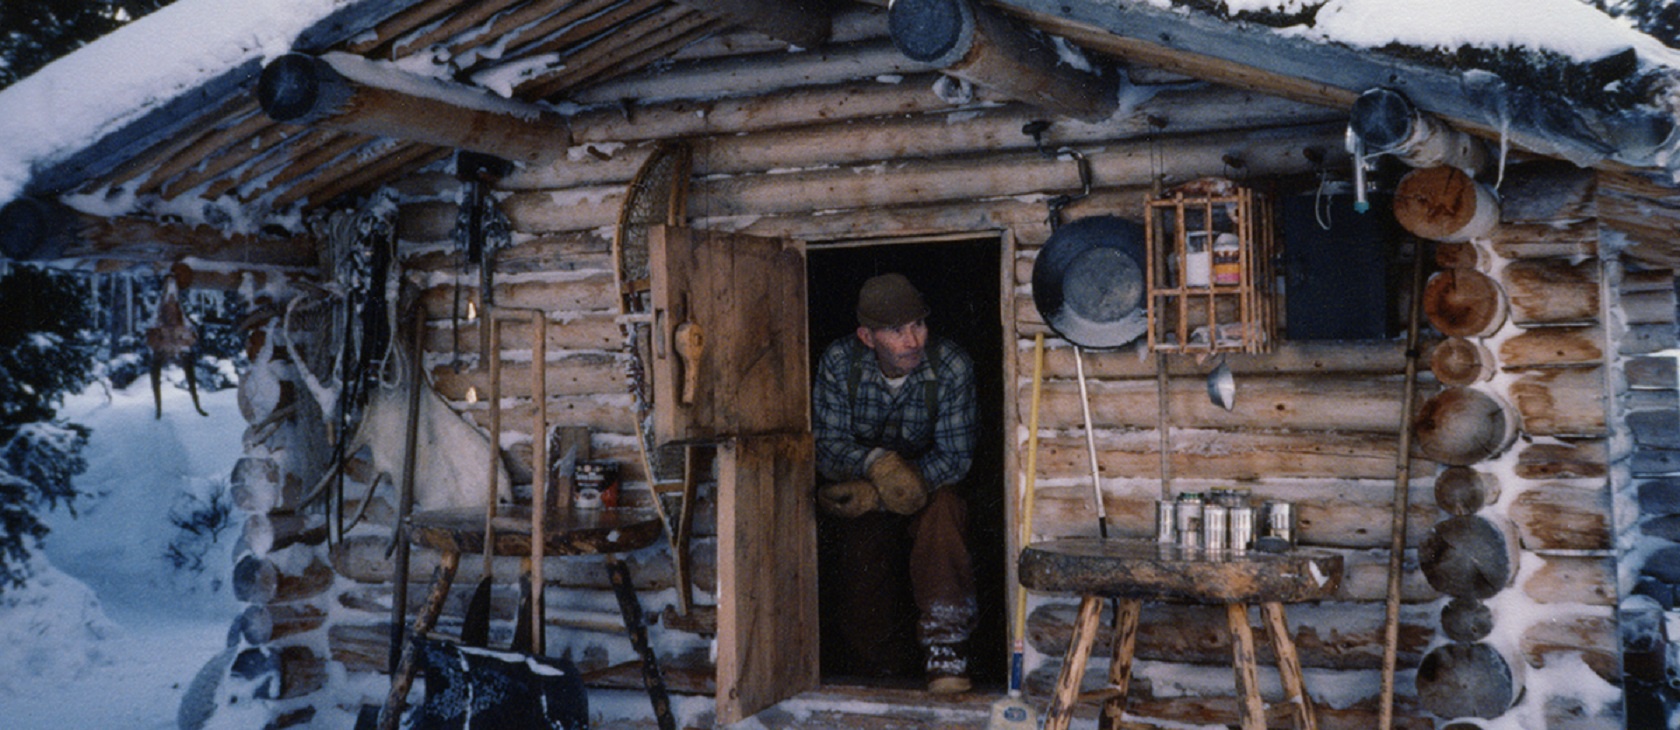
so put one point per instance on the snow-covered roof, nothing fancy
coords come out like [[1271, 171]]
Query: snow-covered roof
[[110, 124]]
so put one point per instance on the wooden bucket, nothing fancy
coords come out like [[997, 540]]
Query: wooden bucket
[[1461, 361], [1463, 426], [1464, 303], [1445, 204]]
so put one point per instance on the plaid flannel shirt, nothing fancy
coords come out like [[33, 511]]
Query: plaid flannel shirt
[[847, 427]]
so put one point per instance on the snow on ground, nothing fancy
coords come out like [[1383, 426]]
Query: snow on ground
[[108, 635]]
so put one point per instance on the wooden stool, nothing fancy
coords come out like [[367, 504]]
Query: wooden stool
[[1133, 571]]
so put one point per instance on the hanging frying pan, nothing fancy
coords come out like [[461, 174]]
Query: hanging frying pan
[[1088, 282]]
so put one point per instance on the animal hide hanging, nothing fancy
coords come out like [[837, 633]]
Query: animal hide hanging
[[173, 339]]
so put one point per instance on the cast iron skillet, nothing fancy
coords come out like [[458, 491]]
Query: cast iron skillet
[[1088, 282]]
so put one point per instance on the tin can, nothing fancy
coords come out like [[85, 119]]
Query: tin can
[[1166, 525], [1188, 516], [1216, 531], [1280, 521], [1242, 529]]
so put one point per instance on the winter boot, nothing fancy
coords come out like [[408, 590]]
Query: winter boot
[[947, 669]]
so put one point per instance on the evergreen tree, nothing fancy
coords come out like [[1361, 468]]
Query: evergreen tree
[[48, 347], [33, 33], [1658, 18]]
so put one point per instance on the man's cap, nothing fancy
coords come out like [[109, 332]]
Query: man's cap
[[889, 300]]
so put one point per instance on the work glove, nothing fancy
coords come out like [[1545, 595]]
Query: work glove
[[902, 488], [848, 499]]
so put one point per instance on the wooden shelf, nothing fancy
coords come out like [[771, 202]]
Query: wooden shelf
[[1211, 282]]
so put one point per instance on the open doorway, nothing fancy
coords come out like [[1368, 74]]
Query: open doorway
[[959, 281]]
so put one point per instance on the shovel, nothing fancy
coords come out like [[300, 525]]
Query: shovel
[[1012, 712]]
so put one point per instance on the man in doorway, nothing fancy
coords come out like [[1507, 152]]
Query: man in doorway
[[895, 421]]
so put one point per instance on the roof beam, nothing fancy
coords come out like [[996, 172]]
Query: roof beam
[[804, 23], [349, 92], [971, 42], [1183, 39]]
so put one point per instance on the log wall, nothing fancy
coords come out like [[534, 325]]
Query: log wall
[[1315, 423], [1546, 499]]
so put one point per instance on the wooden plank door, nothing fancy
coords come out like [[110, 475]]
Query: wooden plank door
[[767, 573], [743, 384], [729, 354]]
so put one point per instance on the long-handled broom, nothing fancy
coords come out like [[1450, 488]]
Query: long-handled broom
[[1012, 712]]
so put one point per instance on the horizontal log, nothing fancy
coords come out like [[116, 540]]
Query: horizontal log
[[586, 332], [1570, 240], [1467, 255], [1369, 404], [1584, 458], [845, 138], [805, 23], [1548, 191], [1314, 358], [1000, 175], [361, 558], [1645, 339], [750, 75], [1648, 307], [1227, 455], [1561, 402], [1572, 579], [589, 294], [1590, 637], [575, 374], [1341, 514], [1553, 291], [981, 45], [260, 580], [1554, 346], [352, 93], [1650, 373], [1658, 429], [1552, 516]]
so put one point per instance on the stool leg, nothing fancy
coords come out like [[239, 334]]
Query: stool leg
[[1250, 709], [403, 678], [631, 608], [1073, 665], [1289, 666], [1126, 612]]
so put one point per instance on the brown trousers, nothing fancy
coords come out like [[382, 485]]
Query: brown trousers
[[868, 561]]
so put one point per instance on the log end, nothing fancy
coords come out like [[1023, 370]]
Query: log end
[[938, 32]]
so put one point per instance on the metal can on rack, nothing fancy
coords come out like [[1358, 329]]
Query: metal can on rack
[[1188, 516], [1242, 529], [1166, 524], [1280, 521], [1216, 535]]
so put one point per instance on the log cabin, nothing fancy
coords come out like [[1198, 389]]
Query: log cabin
[[1454, 368]]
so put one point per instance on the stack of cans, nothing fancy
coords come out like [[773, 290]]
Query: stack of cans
[[1219, 522]]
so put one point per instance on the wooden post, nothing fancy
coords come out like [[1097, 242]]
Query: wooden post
[[972, 43], [349, 92]]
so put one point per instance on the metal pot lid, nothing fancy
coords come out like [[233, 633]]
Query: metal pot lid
[[1088, 282]]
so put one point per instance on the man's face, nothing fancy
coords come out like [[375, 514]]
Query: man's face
[[897, 349]]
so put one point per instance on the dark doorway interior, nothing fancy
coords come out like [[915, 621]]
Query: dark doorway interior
[[959, 280]]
